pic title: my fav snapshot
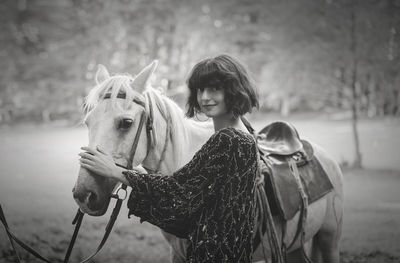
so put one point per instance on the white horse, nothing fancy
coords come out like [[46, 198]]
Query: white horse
[[114, 121]]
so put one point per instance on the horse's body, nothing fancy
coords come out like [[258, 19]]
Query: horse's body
[[175, 140]]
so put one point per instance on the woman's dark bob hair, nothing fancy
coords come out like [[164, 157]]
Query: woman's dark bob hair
[[226, 72]]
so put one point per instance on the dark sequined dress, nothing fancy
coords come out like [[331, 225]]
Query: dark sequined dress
[[210, 201]]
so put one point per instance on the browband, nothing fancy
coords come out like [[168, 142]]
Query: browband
[[122, 95]]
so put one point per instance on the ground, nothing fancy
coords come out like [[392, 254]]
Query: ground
[[39, 165]]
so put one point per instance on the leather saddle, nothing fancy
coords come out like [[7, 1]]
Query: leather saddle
[[280, 138], [280, 144]]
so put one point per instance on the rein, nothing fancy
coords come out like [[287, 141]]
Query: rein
[[145, 117], [77, 222]]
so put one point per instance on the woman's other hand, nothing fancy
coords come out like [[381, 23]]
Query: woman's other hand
[[139, 169]]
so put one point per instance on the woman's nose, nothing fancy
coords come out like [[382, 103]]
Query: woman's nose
[[205, 95]]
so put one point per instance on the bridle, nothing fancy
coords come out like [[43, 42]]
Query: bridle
[[120, 194]]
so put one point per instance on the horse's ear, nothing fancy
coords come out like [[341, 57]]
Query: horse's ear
[[142, 79], [101, 74]]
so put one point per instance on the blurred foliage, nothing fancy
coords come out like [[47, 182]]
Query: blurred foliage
[[299, 51]]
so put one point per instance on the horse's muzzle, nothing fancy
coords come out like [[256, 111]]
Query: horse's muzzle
[[92, 193]]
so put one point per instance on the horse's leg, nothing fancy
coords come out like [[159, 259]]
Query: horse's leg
[[316, 256], [295, 256], [310, 248], [328, 237]]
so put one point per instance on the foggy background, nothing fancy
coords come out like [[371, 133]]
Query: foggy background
[[331, 67]]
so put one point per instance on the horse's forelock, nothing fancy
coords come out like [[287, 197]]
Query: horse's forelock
[[113, 85]]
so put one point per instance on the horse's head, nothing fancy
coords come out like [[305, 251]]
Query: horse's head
[[116, 116]]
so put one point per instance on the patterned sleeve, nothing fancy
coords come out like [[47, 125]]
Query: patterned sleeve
[[171, 201]]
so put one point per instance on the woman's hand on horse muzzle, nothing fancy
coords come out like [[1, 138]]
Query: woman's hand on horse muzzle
[[100, 162]]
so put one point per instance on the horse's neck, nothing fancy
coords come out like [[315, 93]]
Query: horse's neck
[[189, 139], [198, 134]]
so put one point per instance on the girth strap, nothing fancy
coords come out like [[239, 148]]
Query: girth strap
[[267, 222], [265, 218], [303, 211]]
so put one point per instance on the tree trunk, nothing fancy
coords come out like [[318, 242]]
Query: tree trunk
[[45, 116], [354, 120], [285, 106]]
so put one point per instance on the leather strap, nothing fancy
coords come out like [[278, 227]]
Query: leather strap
[[77, 222], [13, 238], [265, 214], [303, 210], [276, 250], [108, 228]]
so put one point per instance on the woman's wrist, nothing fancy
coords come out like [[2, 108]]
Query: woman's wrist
[[118, 174]]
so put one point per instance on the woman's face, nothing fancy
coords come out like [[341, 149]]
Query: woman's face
[[212, 101]]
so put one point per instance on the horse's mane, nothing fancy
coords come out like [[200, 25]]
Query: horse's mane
[[179, 124], [166, 107]]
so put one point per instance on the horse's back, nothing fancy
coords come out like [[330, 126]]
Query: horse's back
[[331, 168]]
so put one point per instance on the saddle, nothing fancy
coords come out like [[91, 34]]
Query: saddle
[[279, 138], [283, 152], [291, 178]]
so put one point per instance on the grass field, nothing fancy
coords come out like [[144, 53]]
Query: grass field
[[39, 165]]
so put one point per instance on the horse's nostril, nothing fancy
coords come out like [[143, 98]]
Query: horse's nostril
[[92, 197], [85, 196], [79, 195]]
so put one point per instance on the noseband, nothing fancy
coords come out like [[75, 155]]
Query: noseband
[[146, 117]]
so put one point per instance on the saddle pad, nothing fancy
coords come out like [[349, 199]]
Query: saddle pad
[[282, 190]]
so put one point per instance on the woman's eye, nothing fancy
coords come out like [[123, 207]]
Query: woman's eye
[[125, 124], [209, 89], [216, 88]]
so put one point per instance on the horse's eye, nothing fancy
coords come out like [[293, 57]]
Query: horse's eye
[[125, 124]]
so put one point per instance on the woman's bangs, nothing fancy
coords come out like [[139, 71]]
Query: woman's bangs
[[206, 75]]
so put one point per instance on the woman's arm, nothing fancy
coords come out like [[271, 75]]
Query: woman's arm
[[171, 201]]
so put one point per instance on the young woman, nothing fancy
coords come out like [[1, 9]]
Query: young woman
[[211, 200]]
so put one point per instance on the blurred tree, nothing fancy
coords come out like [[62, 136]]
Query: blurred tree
[[298, 50], [354, 100]]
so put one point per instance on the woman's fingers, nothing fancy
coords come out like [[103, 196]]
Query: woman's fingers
[[86, 155], [139, 169], [94, 151], [86, 161], [101, 150], [89, 150], [86, 166]]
